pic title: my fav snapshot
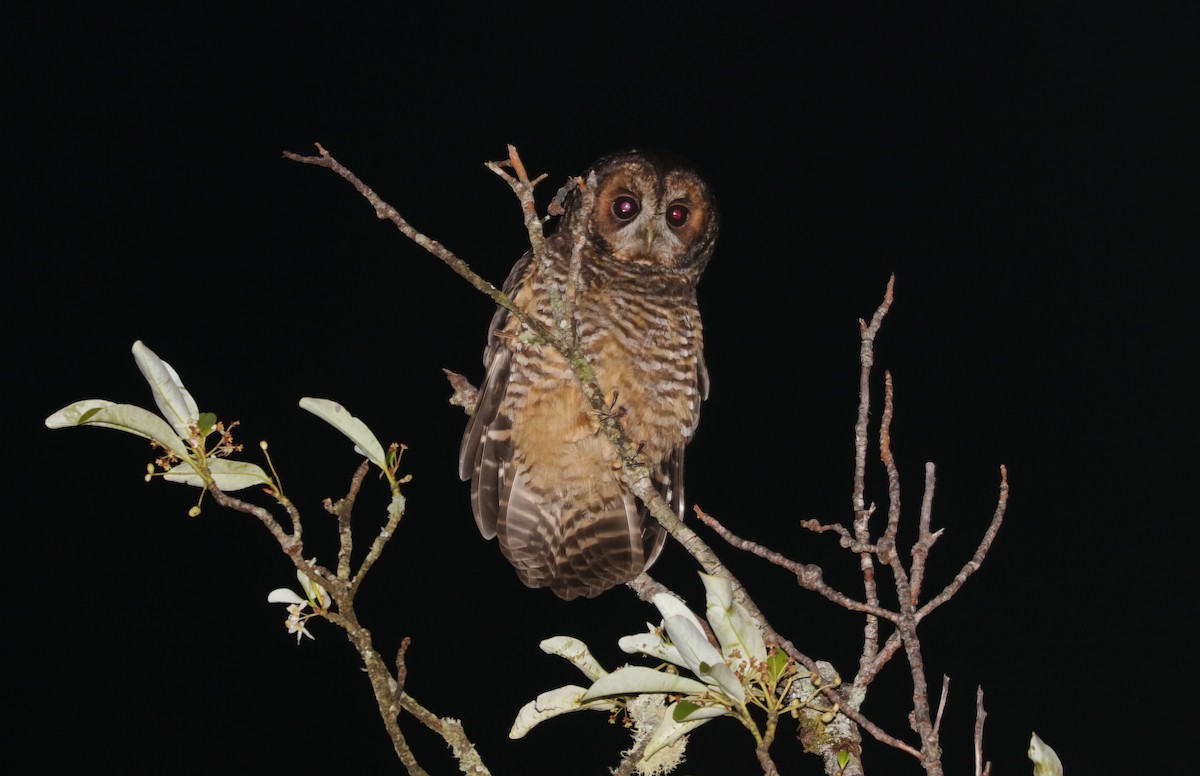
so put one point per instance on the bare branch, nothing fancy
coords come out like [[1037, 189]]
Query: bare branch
[[981, 769], [395, 512], [809, 576], [341, 510], [981, 551], [925, 538], [388, 690], [522, 186], [646, 587], [937, 720], [632, 759], [858, 498], [764, 759]]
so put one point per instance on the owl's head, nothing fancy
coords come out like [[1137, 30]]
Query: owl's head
[[651, 211]]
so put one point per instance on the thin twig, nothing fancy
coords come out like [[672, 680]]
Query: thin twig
[[980, 716], [889, 463], [985, 544], [925, 538], [858, 497], [342, 511], [808, 575], [925, 727], [937, 720], [386, 212]]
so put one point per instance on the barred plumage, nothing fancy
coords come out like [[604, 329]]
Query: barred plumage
[[543, 480]]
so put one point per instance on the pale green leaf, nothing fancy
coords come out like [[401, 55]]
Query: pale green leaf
[[652, 645], [1045, 760], [339, 417], [702, 657], [173, 400], [229, 475], [670, 606], [552, 704], [282, 595], [123, 417], [575, 651], [669, 729], [733, 626], [632, 680]]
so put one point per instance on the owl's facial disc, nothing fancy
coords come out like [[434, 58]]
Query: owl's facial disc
[[651, 217]]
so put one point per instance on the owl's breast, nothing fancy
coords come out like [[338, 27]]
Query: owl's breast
[[644, 346], [647, 360]]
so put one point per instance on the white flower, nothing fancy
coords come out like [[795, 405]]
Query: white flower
[[295, 621], [315, 596]]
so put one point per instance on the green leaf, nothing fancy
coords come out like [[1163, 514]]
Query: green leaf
[[365, 442], [843, 759], [777, 663], [683, 709], [206, 421]]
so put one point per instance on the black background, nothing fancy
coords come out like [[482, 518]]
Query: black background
[[1023, 174]]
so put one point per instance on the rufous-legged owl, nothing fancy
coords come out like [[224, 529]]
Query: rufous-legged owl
[[544, 481]]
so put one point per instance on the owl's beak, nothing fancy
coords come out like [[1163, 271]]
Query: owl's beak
[[651, 233]]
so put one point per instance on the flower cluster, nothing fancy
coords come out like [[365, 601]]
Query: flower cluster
[[314, 596]]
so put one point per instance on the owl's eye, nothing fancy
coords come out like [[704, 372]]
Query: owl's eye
[[625, 207], [677, 215]]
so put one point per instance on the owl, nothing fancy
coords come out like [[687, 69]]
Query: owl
[[544, 479]]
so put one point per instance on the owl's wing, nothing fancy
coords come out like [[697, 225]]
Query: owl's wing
[[486, 451], [669, 482], [612, 544], [603, 545]]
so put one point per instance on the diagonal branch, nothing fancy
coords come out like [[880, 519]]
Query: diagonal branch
[[386, 212]]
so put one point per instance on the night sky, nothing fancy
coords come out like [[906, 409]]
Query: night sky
[[1021, 174]]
